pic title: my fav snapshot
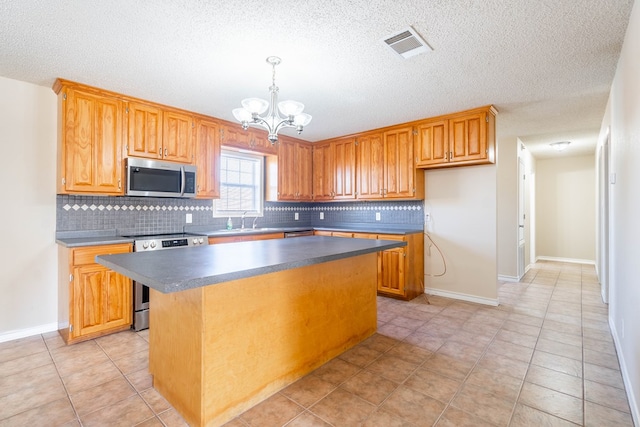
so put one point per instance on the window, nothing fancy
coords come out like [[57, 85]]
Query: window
[[241, 185]]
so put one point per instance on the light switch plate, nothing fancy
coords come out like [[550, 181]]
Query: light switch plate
[[377, 216], [321, 215], [296, 216], [189, 218]]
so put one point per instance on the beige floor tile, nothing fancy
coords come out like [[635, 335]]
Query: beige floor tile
[[129, 411], [598, 345], [140, 380], [603, 375], [525, 416], [26, 379], [151, 422], [481, 403], [342, 408], [306, 419], [550, 334], [560, 349], [16, 366], [454, 417], [308, 390], [601, 359], [557, 363], [611, 397], [172, 418], [392, 368], [336, 371], [597, 334], [369, 386], [109, 393], [597, 416], [472, 339], [448, 366], [360, 355], [503, 386], [433, 384], [393, 331], [38, 393], [527, 320], [425, 341], [510, 350], [562, 327], [122, 344], [155, 400], [413, 406], [274, 411], [517, 338], [92, 376], [504, 365], [68, 359], [18, 351], [54, 413], [407, 322], [553, 402], [380, 418], [558, 381], [379, 342], [409, 353], [133, 362]]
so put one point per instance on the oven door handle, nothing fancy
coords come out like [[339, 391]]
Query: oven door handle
[[182, 180]]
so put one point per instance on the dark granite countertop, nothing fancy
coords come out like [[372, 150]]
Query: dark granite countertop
[[76, 239], [194, 267]]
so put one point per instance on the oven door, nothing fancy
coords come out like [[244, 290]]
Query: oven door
[[140, 306]]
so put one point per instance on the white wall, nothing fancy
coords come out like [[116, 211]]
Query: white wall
[[28, 255], [507, 198], [462, 203], [624, 254], [565, 208]]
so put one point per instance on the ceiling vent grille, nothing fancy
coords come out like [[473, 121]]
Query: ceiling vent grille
[[407, 43]]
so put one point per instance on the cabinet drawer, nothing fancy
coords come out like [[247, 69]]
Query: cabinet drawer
[[365, 236], [85, 256], [398, 237], [341, 234]]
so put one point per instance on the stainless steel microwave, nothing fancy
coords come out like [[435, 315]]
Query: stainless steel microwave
[[155, 178]]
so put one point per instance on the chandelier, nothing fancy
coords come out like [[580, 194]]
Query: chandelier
[[252, 109]]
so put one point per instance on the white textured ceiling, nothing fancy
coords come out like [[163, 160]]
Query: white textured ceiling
[[546, 65]]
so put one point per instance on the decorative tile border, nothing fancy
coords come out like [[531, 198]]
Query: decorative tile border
[[130, 207]]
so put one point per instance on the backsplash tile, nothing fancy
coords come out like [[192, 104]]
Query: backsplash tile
[[149, 215]]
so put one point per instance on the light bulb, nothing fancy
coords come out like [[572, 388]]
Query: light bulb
[[290, 108], [255, 105]]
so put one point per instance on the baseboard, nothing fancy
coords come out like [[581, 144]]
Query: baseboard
[[571, 260], [631, 391], [23, 333], [504, 278], [461, 296]]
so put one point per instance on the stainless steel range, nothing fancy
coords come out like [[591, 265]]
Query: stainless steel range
[[146, 243]]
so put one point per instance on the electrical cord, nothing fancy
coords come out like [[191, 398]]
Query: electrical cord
[[441, 256]]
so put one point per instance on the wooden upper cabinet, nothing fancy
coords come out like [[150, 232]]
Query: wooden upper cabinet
[[295, 166], [465, 138], [370, 165], [90, 140], [207, 148], [145, 130], [253, 139], [399, 164], [344, 167], [177, 136], [159, 133], [432, 145], [323, 171]]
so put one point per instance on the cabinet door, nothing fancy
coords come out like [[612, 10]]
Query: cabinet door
[[145, 130], [432, 146], [323, 169], [287, 178], [468, 138], [370, 166], [177, 136], [344, 166], [399, 163], [208, 159], [92, 134], [234, 136], [391, 271], [304, 171], [101, 300], [258, 142]]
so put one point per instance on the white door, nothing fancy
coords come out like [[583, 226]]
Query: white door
[[521, 217], [603, 223]]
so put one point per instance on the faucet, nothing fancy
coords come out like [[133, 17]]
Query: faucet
[[254, 222], [242, 219]]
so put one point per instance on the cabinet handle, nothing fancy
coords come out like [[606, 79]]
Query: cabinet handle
[[160, 152], [119, 184], [165, 152], [450, 155]]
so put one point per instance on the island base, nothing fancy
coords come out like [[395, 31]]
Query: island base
[[218, 350]]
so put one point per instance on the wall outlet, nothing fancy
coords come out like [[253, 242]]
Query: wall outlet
[[296, 216], [321, 215], [377, 216], [189, 218], [427, 217]]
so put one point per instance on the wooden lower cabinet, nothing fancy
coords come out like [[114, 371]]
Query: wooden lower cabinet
[[93, 300], [400, 270], [245, 238]]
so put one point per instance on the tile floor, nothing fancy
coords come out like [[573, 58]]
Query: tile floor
[[545, 356]]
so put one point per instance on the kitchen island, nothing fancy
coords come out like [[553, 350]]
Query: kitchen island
[[233, 323]]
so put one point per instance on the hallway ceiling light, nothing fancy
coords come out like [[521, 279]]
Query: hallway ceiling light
[[251, 109], [560, 145]]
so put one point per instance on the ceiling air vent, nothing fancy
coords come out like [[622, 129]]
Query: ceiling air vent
[[407, 43]]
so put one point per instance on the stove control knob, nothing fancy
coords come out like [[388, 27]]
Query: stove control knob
[[145, 245], [152, 244], [195, 240], [201, 240]]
